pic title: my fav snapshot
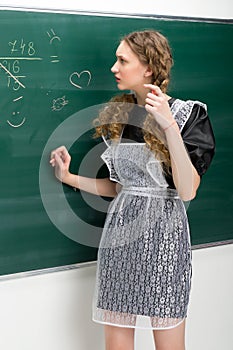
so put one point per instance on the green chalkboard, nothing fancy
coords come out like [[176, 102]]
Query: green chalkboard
[[54, 73]]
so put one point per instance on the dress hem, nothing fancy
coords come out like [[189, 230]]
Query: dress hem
[[138, 327]]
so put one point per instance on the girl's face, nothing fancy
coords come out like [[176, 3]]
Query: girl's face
[[129, 72]]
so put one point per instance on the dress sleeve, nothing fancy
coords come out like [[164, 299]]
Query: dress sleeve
[[199, 138], [108, 157]]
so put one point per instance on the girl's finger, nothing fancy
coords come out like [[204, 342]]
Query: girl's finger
[[58, 159], [155, 90], [154, 97], [153, 103], [52, 155], [60, 150]]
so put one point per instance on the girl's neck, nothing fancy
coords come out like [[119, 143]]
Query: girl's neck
[[140, 98]]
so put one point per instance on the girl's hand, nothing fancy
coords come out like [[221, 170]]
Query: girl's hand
[[157, 105], [60, 160]]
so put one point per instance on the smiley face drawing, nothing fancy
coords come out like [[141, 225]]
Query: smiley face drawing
[[16, 124]]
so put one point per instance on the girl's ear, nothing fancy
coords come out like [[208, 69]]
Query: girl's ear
[[148, 72]]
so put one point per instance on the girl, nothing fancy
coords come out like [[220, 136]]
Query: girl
[[158, 148]]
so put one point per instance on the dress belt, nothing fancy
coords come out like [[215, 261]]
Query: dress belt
[[151, 191]]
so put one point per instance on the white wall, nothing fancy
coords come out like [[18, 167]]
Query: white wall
[[53, 311], [192, 8], [209, 323], [49, 312]]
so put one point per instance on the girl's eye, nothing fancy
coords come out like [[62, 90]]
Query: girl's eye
[[122, 60]]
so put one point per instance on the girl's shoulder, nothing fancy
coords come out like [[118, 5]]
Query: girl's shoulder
[[183, 110], [196, 130]]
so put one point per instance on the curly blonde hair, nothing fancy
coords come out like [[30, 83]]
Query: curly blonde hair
[[152, 49]]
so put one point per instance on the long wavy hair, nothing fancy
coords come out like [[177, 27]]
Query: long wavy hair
[[152, 49]]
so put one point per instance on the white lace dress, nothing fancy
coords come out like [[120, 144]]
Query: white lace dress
[[144, 259]]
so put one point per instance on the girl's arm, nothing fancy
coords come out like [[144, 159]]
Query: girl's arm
[[185, 176], [60, 160]]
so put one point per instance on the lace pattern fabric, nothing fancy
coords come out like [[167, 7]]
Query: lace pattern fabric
[[181, 111], [144, 262], [144, 259]]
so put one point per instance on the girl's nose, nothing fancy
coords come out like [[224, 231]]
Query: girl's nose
[[114, 68]]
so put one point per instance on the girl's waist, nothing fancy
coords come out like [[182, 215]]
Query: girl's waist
[[165, 192]]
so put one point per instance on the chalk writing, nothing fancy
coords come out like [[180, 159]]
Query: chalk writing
[[12, 76], [11, 64], [80, 80], [59, 103], [20, 50], [18, 98], [22, 47], [16, 125], [54, 58], [16, 120], [53, 36]]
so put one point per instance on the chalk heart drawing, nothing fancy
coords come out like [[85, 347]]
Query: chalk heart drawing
[[80, 80]]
